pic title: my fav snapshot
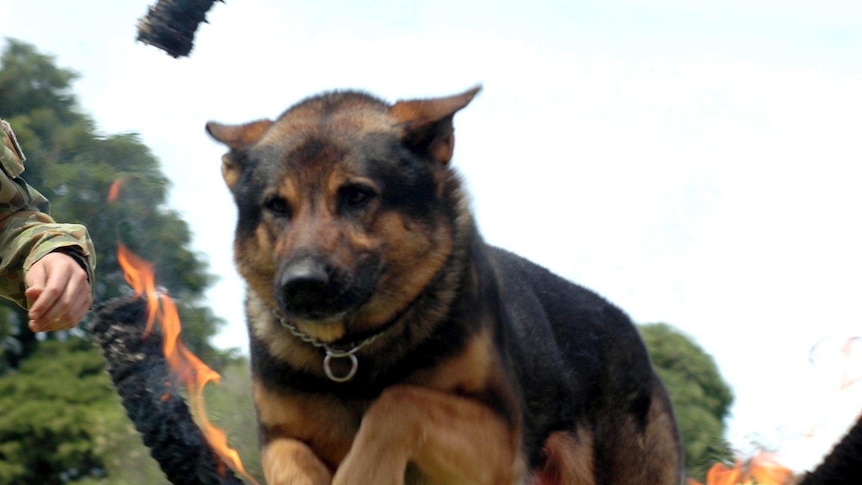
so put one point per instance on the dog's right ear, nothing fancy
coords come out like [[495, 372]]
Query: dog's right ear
[[236, 137]]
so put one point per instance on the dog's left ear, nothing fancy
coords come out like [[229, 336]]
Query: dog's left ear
[[427, 123]]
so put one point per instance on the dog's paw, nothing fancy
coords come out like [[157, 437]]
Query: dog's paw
[[290, 462]]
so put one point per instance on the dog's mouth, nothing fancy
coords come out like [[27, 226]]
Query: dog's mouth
[[311, 290]]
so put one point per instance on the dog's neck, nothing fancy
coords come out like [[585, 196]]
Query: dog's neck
[[333, 350]]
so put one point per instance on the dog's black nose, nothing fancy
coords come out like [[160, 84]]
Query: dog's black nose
[[304, 281], [312, 289], [307, 288]]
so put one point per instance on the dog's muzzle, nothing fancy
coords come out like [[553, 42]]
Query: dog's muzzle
[[310, 289]]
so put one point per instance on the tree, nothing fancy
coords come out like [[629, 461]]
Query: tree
[[700, 397], [74, 167], [29, 80], [61, 421]]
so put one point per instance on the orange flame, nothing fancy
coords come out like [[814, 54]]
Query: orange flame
[[763, 469], [114, 191], [140, 276], [186, 366], [721, 474], [766, 470]]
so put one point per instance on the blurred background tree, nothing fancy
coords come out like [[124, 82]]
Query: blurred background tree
[[700, 397], [74, 166], [61, 421]]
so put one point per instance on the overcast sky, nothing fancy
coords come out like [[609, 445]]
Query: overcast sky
[[697, 163]]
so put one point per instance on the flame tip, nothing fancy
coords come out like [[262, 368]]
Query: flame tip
[[190, 370]]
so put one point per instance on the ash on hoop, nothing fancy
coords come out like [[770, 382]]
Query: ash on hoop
[[151, 395]]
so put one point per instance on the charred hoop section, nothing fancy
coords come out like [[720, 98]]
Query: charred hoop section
[[171, 24], [843, 465], [152, 396]]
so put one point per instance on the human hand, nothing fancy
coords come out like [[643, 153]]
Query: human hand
[[58, 293]]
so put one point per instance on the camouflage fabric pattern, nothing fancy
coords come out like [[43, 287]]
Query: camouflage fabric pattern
[[27, 232]]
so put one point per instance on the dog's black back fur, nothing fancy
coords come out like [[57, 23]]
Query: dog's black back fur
[[594, 338]]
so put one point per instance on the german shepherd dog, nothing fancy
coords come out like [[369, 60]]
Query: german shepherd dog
[[390, 344]]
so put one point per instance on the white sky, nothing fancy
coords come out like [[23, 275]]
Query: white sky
[[698, 163]]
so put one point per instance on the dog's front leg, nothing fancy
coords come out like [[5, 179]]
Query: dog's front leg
[[451, 439], [287, 461]]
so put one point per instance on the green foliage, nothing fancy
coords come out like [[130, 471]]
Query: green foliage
[[701, 399], [60, 421], [230, 407], [29, 81], [63, 423]]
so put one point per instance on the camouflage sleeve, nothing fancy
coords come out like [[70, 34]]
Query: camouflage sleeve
[[27, 233]]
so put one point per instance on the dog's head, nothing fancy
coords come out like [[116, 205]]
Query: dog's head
[[342, 219]]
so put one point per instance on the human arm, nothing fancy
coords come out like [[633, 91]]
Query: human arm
[[44, 266]]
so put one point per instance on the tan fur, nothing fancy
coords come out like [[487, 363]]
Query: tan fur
[[469, 372], [413, 257], [569, 460], [279, 343], [654, 456], [290, 461], [451, 438], [323, 424], [434, 428]]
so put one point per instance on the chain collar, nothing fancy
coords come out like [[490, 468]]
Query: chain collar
[[331, 352]]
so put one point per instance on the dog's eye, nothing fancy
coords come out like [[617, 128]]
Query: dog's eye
[[277, 205], [356, 196]]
